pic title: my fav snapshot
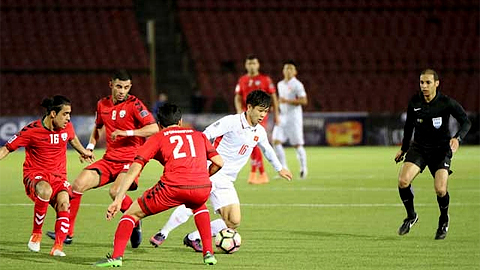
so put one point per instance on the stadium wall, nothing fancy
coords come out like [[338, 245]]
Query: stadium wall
[[320, 129]]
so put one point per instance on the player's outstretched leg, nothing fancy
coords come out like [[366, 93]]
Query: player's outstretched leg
[[443, 222], [407, 224]]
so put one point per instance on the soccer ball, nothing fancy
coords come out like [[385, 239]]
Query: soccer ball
[[228, 241]]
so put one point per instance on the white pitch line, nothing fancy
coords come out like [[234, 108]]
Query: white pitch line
[[305, 205]]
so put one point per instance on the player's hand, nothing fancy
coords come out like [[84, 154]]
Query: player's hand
[[113, 209], [399, 156], [285, 174], [454, 144], [117, 133], [87, 156]]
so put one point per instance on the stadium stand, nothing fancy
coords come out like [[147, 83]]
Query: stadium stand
[[67, 47], [352, 55]]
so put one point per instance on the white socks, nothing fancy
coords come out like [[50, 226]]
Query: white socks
[[281, 154], [177, 218], [302, 158]]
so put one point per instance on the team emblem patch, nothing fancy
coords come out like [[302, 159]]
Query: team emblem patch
[[122, 113], [143, 113], [255, 138], [64, 136], [257, 83], [437, 122]]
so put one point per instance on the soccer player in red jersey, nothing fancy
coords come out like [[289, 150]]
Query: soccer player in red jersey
[[184, 153], [254, 80], [44, 170], [126, 122]]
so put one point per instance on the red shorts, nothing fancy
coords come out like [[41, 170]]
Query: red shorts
[[109, 170], [57, 182], [162, 197]]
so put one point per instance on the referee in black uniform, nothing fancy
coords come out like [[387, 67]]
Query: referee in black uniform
[[429, 113]]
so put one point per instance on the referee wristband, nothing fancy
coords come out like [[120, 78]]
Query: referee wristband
[[90, 146], [129, 133]]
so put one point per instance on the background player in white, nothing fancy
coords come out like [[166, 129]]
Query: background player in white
[[292, 97], [235, 137]]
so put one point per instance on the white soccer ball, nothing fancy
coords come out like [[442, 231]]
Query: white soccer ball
[[228, 241]]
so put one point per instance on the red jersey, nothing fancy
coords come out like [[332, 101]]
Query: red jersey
[[45, 150], [127, 115], [247, 84], [183, 152]]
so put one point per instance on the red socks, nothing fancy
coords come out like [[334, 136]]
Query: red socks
[[74, 206], [202, 221], [122, 235], [39, 213], [257, 160], [62, 226]]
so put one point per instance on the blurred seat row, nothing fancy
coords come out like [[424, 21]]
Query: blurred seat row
[[67, 47], [349, 59]]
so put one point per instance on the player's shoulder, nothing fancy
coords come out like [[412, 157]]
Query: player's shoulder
[[32, 126]]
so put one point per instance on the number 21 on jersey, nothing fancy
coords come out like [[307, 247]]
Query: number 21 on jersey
[[179, 141]]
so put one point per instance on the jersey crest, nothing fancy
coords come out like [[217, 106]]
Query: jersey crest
[[437, 122], [64, 136]]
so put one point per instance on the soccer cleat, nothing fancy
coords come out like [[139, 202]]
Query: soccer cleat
[[34, 242], [442, 228], [57, 251], [209, 259], [110, 262], [136, 237], [407, 224], [253, 178], [195, 244], [303, 174], [263, 179], [68, 240], [157, 239]]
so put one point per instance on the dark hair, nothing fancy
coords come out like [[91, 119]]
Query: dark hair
[[259, 98], [251, 57], [55, 103], [122, 75], [290, 62], [431, 72], [169, 114]]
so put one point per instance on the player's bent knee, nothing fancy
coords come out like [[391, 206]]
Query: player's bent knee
[[403, 181], [63, 206], [86, 180], [43, 190]]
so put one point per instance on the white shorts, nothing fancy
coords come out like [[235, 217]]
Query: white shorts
[[289, 130], [223, 191]]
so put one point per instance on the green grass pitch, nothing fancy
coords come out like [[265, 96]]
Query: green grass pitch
[[344, 216]]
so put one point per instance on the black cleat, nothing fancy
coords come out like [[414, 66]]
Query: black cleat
[[195, 244], [136, 237], [68, 240], [407, 224], [442, 228]]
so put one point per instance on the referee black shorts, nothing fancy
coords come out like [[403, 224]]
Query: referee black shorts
[[435, 159]]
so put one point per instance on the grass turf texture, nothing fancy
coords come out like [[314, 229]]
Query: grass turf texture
[[345, 215]]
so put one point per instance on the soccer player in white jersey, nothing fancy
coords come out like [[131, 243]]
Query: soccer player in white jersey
[[235, 137], [292, 97]]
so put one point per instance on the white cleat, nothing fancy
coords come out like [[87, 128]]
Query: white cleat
[[34, 243], [57, 252]]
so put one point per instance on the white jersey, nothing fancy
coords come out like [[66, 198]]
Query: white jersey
[[235, 140], [291, 90]]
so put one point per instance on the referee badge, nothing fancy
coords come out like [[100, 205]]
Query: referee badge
[[437, 122]]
